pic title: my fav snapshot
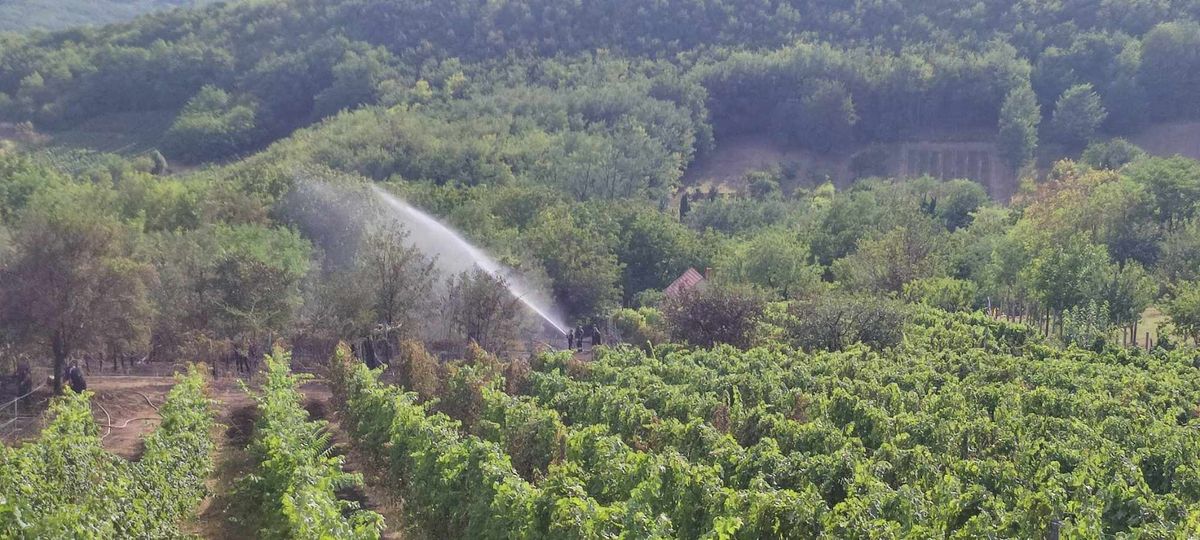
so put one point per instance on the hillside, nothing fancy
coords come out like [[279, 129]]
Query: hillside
[[733, 159], [51, 15], [262, 69]]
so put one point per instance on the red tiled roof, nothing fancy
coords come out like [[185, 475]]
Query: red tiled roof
[[689, 279]]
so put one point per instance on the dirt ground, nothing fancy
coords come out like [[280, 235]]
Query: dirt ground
[[125, 408], [1168, 139]]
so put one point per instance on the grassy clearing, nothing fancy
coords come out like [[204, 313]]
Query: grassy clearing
[[126, 134], [1153, 321]]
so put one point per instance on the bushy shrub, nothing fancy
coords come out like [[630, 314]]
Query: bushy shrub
[[945, 293], [418, 369], [642, 327], [714, 313], [833, 322], [292, 490]]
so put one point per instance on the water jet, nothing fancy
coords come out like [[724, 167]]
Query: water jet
[[436, 238]]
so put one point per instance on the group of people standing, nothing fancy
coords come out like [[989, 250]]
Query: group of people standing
[[575, 337]]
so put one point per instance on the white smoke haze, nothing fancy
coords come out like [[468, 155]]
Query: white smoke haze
[[334, 214]]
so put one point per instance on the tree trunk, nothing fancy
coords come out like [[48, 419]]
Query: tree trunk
[[60, 358]]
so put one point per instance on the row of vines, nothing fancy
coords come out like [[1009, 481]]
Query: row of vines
[[292, 491], [65, 485], [461, 482], [970, 427]]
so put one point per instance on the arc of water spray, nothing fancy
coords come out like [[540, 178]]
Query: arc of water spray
[[485, 262]]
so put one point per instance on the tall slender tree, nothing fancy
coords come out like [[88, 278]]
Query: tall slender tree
[[1019, 118]]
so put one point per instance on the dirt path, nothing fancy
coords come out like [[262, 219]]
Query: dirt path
[[126, 409], [236, 425], [216, 518], [374, 494]]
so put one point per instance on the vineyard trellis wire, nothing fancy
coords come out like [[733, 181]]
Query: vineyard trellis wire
[[10, 412]]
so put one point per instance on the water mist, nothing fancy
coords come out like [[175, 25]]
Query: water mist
[[455, 255]]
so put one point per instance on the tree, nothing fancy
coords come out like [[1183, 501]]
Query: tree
[[714, 313], [1087, 325], [1170, 69], [1112, 154], [212, 125], [1174, 186], [1183, 307], [1180, 251], [72, 284], [655, 250], [481, 309], [763, 185], [1119, 215], [1067, 275], [356, 80], [1019, 119], [398, 276], [849, 217], [833, 322], [6, 246], [337, 305], [20, 178], [957, 201], [774, 260], [1078, 115], [914, 250], [823, 119], [1127, 294], [584, 271], [254, 282]]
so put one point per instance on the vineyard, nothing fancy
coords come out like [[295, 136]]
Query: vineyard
[[65, 485], [969, 428], [292, 491]]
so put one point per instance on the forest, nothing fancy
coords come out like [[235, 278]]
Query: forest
[[355, 232]]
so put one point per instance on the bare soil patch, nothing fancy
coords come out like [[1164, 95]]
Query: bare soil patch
[[1169, 139]]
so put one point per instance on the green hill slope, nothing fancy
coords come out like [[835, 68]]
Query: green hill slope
[[28, 15]]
